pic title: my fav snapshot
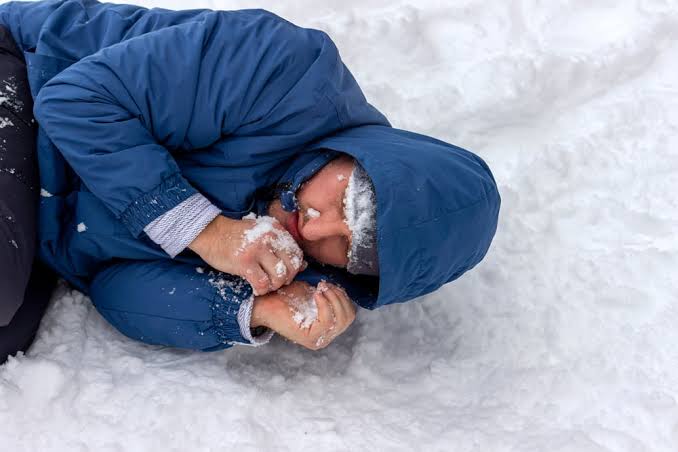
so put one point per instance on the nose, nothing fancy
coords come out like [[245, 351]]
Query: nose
[[319, 228]]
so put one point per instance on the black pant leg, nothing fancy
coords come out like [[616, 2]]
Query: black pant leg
[[19, 334], [21, 305], [18, 179]]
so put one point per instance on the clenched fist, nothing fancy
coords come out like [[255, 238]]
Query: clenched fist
[[309, 316], [259, 250]]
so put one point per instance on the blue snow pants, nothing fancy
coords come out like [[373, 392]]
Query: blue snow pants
[[171, 303]]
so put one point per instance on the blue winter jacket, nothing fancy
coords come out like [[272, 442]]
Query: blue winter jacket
[[140, 109]]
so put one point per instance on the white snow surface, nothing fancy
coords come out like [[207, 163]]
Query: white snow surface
[[564, 339]]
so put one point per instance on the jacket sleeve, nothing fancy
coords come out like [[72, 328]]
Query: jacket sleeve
[[174, 304], [118, 115], [175, 229]]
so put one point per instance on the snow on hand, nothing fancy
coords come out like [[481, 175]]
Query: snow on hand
[[281, 240], [304, 309]]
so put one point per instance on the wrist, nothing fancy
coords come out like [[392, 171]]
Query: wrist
[[262, 310], [203, 242], [199, 243]]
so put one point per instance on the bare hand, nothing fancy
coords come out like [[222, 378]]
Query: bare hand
[[311, 317], [261, 251]]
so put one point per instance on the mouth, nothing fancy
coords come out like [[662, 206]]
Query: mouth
[[292, 226]]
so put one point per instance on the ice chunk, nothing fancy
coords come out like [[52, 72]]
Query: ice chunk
[[312, 213]]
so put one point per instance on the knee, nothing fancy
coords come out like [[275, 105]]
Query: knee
[[159, 303]]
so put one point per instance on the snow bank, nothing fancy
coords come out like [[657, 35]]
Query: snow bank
[[564, 339]]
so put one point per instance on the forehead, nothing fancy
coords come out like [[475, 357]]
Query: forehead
[[341, 165], [331, 180]]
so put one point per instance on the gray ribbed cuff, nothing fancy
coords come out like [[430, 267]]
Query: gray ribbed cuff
[[245, 319], [177, 228]]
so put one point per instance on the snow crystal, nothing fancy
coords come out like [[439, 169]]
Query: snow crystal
[[280, 268], [341, 177], [359, 210], [296, 262], [281, 240], [312, 213], [82, 227], [44, 193], [227, 285], [8, 95], [304, 309], [4, 122]]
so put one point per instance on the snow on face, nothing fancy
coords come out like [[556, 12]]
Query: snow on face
[[312, 213], [359, 205]]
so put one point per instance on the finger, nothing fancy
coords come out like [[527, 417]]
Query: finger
[[326, 316], [275, 268], [258, 279], [323, 334], [291, 271], [347, 306], [334, 300], [341, 300], [347, 303], [296, 258]]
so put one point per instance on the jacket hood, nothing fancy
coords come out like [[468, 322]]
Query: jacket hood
[[437, 206]]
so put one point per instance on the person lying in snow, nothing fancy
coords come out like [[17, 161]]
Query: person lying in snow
[[169, 144]]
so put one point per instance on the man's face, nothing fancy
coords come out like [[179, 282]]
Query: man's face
[[319, 227]]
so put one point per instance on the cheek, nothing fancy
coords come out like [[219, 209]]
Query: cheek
[[331, 251], [319, 196]]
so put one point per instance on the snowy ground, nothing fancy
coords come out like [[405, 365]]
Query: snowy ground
[[564, 339]]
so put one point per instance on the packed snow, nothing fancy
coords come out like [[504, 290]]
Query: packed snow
[[564, 339], [360, 210], [303, 308], [312, 213], [280, 268], [4, 122], [8, 95], [265, 228]]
